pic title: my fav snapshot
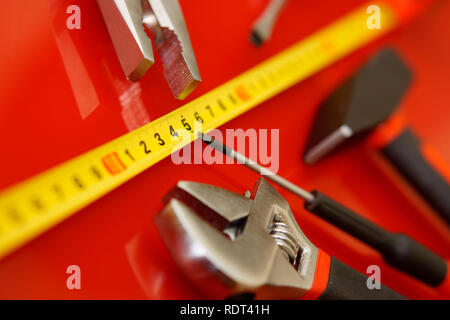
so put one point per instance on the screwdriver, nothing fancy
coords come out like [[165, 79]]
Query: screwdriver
[[398, 250]]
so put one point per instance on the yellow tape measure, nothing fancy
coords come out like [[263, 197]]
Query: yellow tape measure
[[37, 204]]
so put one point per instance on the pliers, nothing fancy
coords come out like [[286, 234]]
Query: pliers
[[128, 22], [250, 246]]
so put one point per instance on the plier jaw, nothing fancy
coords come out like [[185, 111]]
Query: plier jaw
[[231, 245], [128, 22]]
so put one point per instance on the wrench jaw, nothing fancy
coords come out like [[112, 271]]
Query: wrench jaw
[[217, 204], [250, 263], [178, 226]]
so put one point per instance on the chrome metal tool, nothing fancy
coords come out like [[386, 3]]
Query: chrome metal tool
[[263, 27], [250, 246], [128, 22]]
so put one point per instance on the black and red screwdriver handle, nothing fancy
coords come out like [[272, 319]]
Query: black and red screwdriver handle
[[398, 250], [406, 154], [418, 163], [334, 280]]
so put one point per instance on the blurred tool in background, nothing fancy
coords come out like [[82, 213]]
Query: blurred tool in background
[[164, 19], [235, 246], [124, 157], [359, 106], [398, 250], [263, 27]]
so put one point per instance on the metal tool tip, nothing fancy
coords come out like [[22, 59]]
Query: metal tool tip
[[216, 144], [205, 138], [309, 159], [256, 38]]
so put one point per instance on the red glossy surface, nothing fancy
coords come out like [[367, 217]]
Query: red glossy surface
[[114, 240]]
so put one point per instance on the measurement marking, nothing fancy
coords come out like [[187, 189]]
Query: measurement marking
[[127, 152], [210, 110], [144, 145], [113, 163], [242, 93], [78, 182], [221, 104], [232, 98], [14, 216], [57, 189], [96, 173], [37, 204], [198, 117]]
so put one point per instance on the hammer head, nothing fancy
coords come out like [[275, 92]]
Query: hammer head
[[361, 103]]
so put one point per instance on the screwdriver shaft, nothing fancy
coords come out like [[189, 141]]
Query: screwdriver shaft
[[268, 174]]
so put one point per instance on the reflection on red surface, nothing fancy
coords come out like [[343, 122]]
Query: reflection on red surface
[[155, 271]]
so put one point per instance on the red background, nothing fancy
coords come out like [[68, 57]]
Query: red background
[[114, 240]]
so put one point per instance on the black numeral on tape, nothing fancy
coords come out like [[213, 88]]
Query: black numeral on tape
[[210, 111], [144, 145]]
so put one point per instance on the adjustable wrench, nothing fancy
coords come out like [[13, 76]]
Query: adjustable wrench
[[250, 246]]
